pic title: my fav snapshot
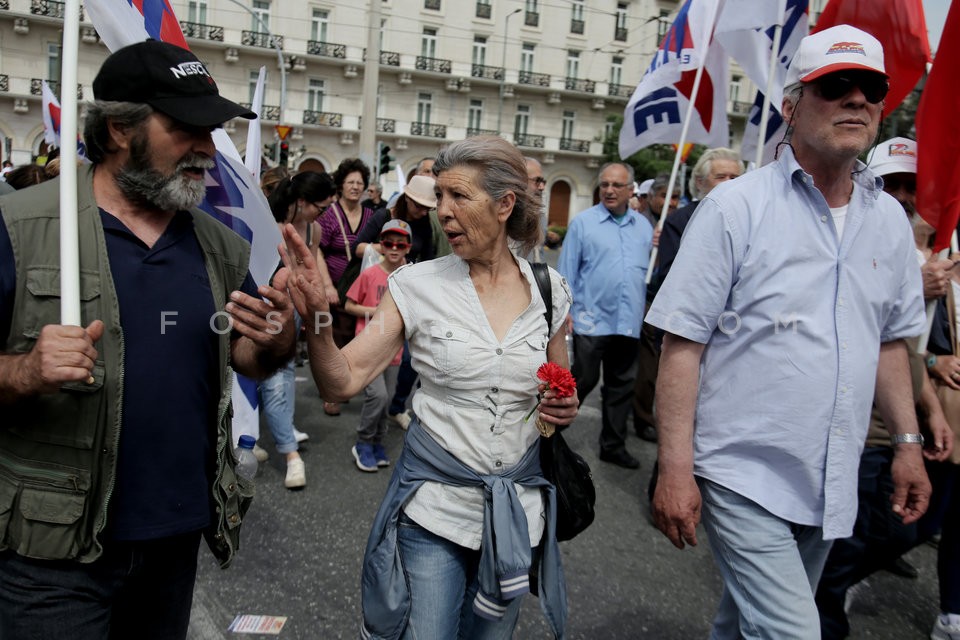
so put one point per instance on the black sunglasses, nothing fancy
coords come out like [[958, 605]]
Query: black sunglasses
[[834, 86]]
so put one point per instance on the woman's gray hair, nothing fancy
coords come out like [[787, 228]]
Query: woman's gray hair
[[502, 169], [96, 132], [704, 166]]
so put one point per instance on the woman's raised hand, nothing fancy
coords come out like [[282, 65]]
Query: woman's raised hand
[[306, 284]]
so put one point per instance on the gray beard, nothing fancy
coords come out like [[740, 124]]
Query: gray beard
[[141, 183]]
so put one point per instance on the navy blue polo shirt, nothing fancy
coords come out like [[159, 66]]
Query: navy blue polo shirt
[[165, 464]]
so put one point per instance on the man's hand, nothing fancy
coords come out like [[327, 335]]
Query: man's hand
[[267, 323], [62, 354], [676, 508], [939, 445], [947, 371], [911, 487], [936, 277]]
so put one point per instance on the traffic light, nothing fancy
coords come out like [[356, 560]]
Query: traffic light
[[270, 150], [386, 163], [284, 153]]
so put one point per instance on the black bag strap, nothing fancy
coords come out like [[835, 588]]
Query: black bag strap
[[541, 274]]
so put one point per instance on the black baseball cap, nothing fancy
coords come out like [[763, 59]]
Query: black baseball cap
[[168, 78]]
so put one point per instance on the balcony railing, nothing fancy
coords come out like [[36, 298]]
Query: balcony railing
[[323, 118], [258, 39], [268, 112], [569, 144], [51, 8], [576, 84], [740, 108], [620, 34], [384, 125], [619, 90], [528, 140], [4, 4], [433, 5], [539, 79], [36, 87], [428, 130], [433, 64], [481, 132], [488, 73], [576, 26], [531, 19], [4, 83], [201, 31], [389, 58], [326, 49], [483, 10]]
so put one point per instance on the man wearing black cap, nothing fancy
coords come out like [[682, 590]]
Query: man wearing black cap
[[115, 451]]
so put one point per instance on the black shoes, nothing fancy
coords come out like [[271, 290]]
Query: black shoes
[[620, 458], [647, 432]]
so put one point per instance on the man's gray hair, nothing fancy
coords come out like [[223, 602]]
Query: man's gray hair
[[701, 170], [501, 169], [96, 130], [630, 176]]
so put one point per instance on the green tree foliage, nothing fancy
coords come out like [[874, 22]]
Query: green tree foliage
[[648, 162]]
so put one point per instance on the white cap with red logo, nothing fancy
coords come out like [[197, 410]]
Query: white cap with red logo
[[896, 155], [835, 49]]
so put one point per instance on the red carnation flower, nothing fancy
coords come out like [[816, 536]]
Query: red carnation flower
[[556, 378]]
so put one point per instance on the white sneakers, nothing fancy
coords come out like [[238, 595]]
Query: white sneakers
[[296, 474], [943, 630], [260, 453], [300, 435]]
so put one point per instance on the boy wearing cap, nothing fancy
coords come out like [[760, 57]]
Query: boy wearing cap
[[116, 447], [362, 300], [797, 277]]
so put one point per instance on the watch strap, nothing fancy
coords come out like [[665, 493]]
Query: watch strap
[[906, 438]]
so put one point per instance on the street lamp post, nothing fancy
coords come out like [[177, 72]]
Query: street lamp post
[[503, 67], [280, 63]]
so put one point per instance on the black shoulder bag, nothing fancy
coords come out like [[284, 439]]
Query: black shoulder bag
[[562, 466]]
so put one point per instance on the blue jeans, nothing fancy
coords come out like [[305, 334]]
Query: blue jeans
[[443, 582], [406, 378], [770, 568], [277, 398], [140, 589], [373, 413]]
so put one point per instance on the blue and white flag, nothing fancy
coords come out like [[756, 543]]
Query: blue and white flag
[[656, 111]]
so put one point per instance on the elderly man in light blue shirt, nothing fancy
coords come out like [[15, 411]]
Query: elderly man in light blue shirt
[[604, 259], [791, 285]]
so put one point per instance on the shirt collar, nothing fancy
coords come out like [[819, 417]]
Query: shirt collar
[[861, 175]]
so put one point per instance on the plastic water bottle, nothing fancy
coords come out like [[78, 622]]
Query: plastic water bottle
[[246, 461]]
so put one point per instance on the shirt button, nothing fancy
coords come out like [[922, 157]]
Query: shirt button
[[449, 334], [498, 463], [494, 389], [499, 352], [823, 218]]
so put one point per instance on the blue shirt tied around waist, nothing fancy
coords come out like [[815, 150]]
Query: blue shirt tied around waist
[[505, 554]]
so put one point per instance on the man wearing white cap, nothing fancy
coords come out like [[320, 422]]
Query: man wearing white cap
[[796, 277]]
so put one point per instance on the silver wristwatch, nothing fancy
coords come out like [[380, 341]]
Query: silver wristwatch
[[906, 438]]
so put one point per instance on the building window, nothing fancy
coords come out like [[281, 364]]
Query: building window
[[483, 9], [424, 107], [316, 88], [735, 88], [616, 70], [252, 84], [261, 9], [318, 25], [576, 16], [53, 61], [479, 50], [531, 6], [526, 58], [428, 44], [475, 115], [573, 64], [569, 118], [433, 5], [620, 33], [663, 24], [197, 11], [522, 120]]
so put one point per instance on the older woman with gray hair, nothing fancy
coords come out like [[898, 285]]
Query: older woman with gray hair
[[467, 509]]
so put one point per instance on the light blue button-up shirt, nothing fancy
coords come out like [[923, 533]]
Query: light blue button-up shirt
[[605, 264], [793, 319]]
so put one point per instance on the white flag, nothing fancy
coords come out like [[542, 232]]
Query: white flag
[[252, 158]]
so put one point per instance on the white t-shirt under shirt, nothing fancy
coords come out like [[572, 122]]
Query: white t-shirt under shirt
[[476, 389], [839, 218]]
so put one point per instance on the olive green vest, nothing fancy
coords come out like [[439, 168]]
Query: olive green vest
[[58, 451]]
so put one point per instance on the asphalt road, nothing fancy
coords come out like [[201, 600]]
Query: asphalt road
[[301, 551]]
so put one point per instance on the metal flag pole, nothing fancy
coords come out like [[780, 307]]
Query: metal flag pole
[[69, 241], [774, 54]]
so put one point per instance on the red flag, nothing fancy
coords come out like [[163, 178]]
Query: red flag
[[938, 137], [900, 26]]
